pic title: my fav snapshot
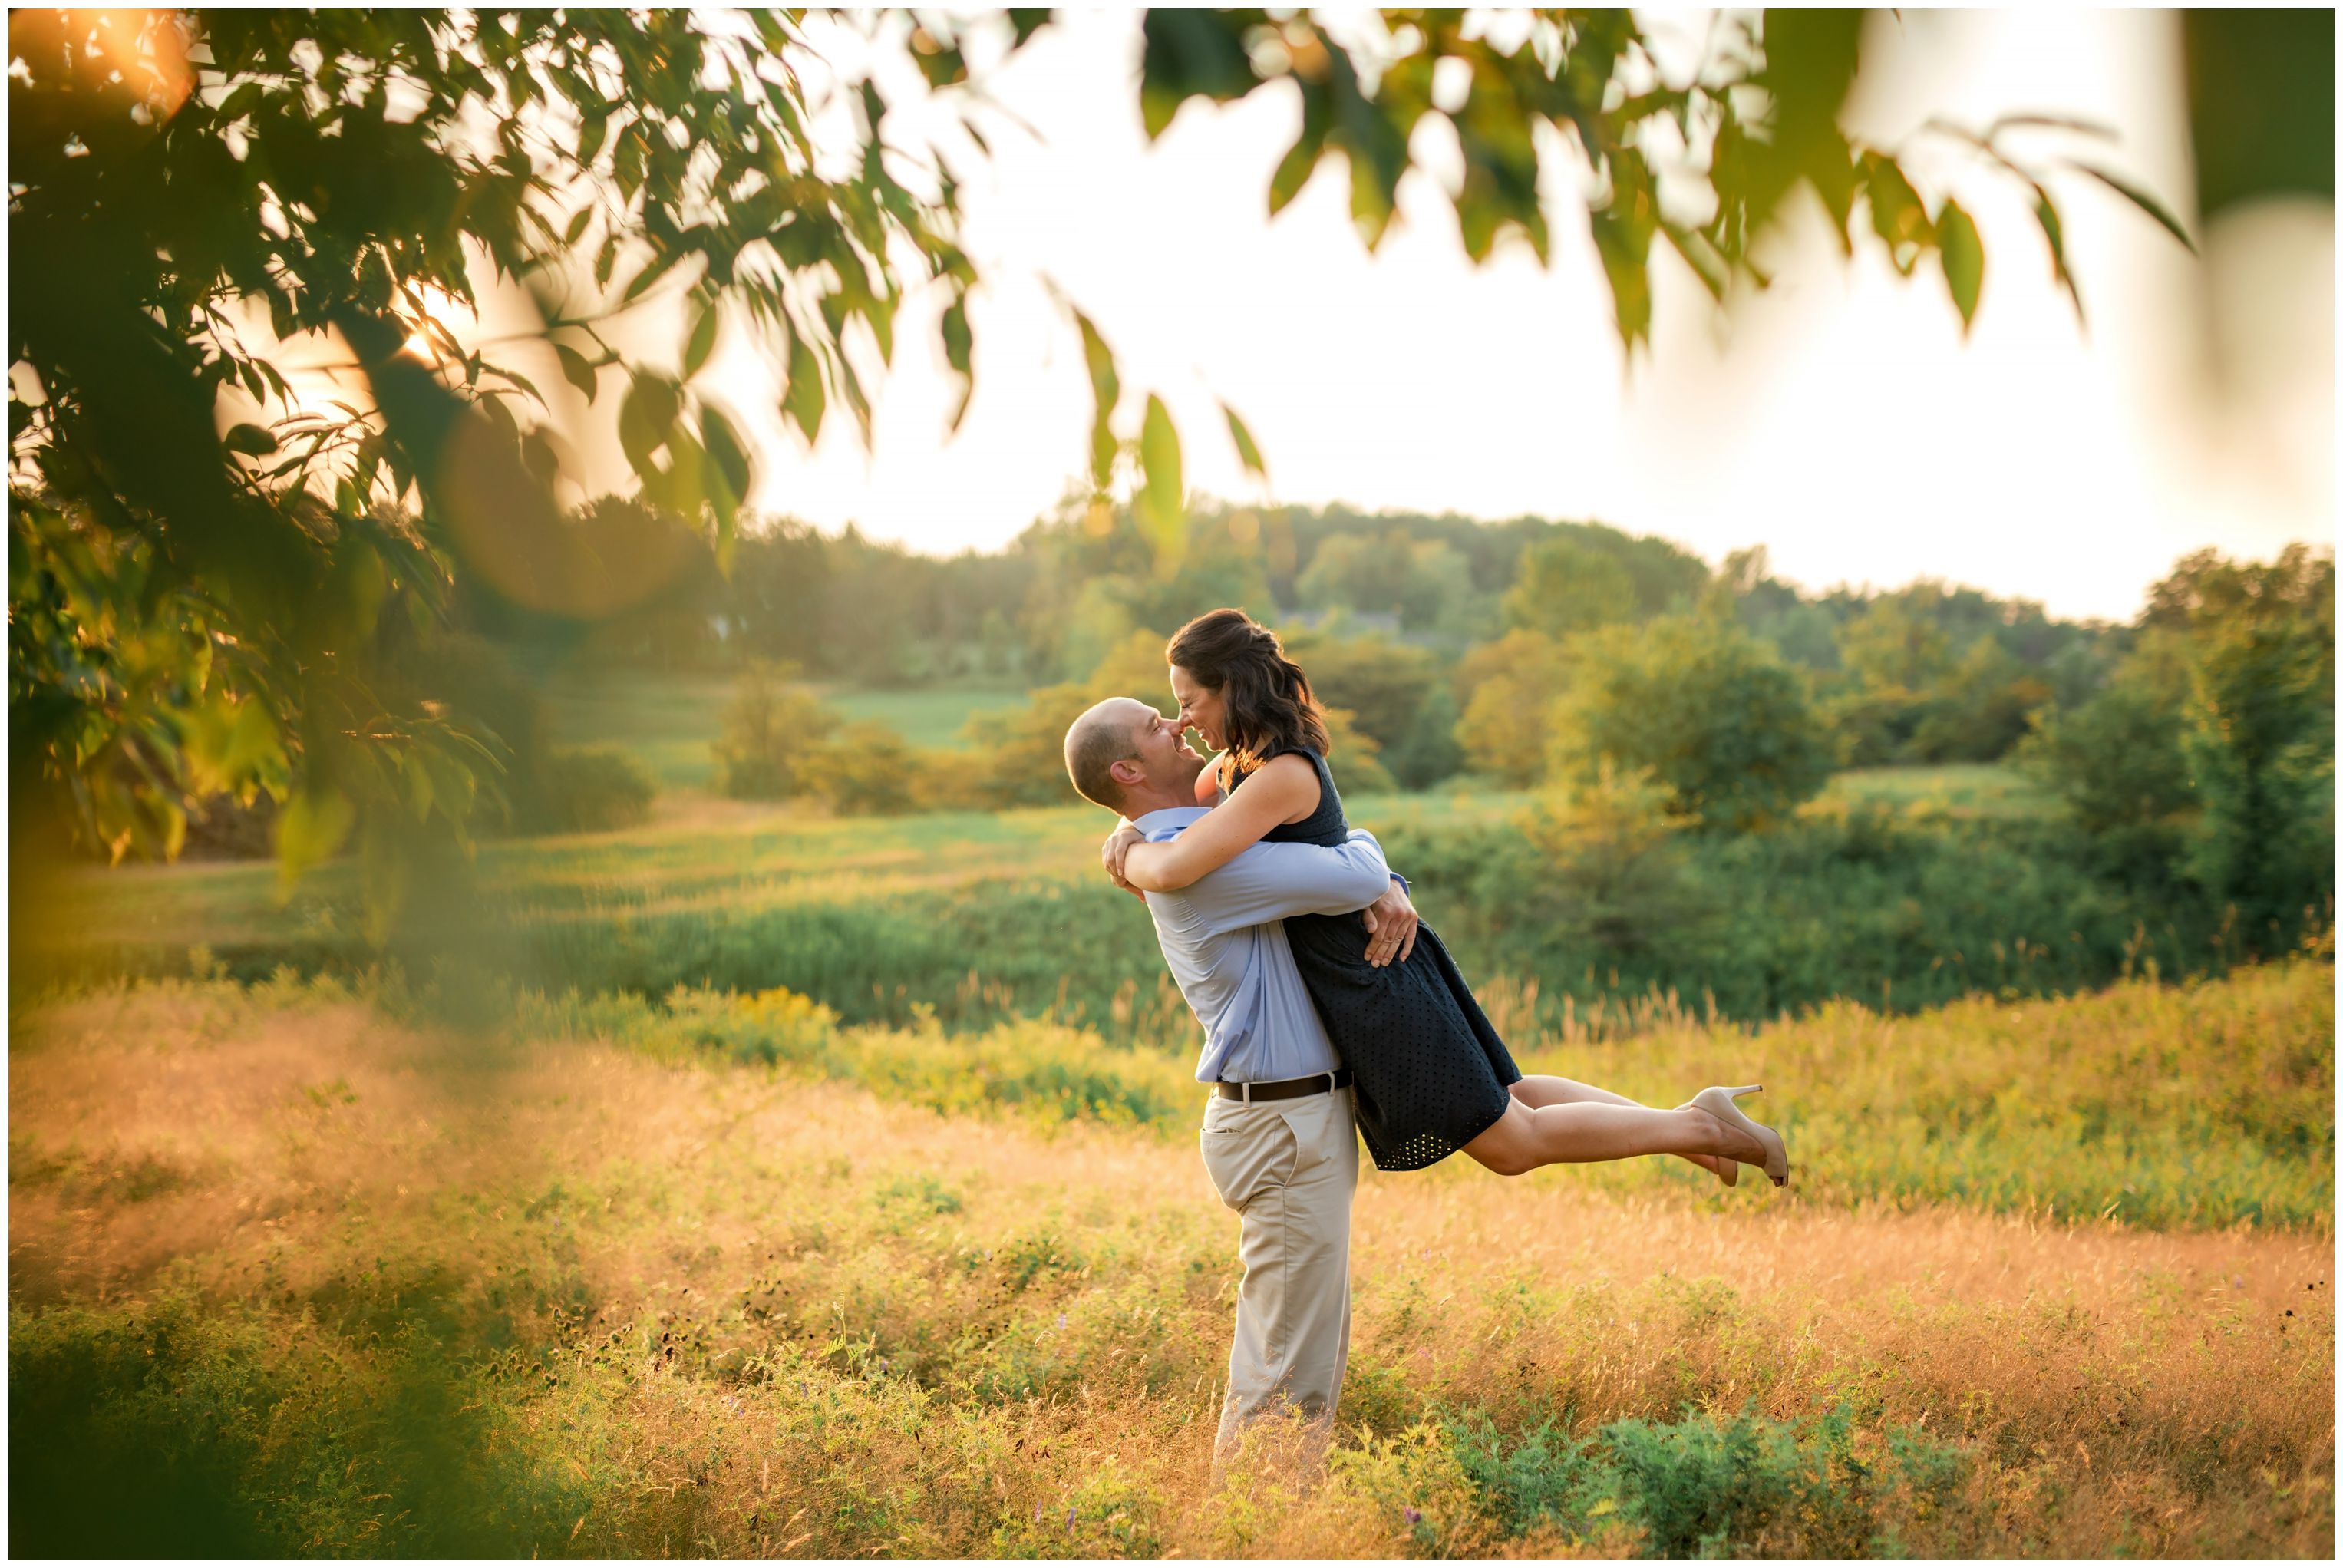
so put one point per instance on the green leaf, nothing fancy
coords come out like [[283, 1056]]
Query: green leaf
[[1106, 391], [2054, 233], [312, 826], [958, 352], [1190, 53], [654, 271], [941, 63], [1295, 169], [1626, 266], [249, 439], [701, 344], [2139, 198], [803, 401], [1164, 499], [1248, 452], [1897, 214], [724, 446], [646, 420], [1963, 255], [577, 222], [1701, 256], [254, 752], [728, 486], [418, 784], [577, 371], [1027, 23]]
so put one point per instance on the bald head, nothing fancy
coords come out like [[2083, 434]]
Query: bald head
[[1107, 733]]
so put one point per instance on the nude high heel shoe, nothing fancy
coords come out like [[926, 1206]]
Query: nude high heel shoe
[[1719, 1103], [1728, 1173]]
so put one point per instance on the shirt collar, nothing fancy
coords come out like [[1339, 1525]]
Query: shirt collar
[[1169, 820]]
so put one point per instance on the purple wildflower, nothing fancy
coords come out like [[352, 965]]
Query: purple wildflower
[[1414, 1514]]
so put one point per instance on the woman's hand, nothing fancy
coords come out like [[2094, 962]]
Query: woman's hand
[[1111, 855], [1390, 924]]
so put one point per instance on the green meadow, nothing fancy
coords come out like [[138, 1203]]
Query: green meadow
[[668, 721]]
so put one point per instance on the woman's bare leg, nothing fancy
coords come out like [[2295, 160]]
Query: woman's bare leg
[[1582, 1131], [1542, 1089]]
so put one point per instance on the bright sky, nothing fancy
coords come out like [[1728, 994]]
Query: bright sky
[[1839, 418]]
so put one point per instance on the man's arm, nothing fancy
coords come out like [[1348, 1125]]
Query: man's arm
[[1271, 881]]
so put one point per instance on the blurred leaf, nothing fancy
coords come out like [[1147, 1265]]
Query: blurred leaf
[[577, 222], [249, 439], [1964, 258], [1190, 54], [939, 62], [657, 269], [731, 481], [418, 784], [1700, 256], [1301, 160], [1165, 495], [1248, 452], [1027, 23], [959, 347], [1106, 390], [701, 344], [2055, 233], [803, 401], [1810, 63], [577, 370], [312, 826], [1897, 214], [2139, 198], [646, 417], [1624, 265]]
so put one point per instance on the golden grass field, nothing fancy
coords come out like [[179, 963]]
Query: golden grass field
[[320, 1277]]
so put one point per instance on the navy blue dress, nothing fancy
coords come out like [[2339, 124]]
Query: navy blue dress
[[1429, 1073]]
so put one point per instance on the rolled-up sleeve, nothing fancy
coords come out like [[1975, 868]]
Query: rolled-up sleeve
[[1273, 881]]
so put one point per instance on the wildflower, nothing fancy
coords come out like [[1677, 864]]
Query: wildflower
[[1414, 1514], [1061, 1319], [1069, 1519]]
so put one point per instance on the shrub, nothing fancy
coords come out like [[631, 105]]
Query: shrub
[[592, 789], [1020, 754], [866, 771], [1612, 878], [770, 728], [1508, 689], [1708, 710], [1703, 1487]]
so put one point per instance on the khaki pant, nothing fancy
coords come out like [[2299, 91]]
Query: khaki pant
[[1288, 1168]]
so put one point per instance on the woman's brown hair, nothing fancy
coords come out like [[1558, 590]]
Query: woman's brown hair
[[1271, 709]]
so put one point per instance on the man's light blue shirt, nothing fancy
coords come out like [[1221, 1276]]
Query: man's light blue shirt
[[1222, 937]]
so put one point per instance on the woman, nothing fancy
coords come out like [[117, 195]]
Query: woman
[[1431, 1076]]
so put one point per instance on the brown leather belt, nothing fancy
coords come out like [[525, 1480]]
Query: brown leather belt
[[1286, 1088]]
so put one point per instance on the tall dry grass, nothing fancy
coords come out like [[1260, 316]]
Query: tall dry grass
[[312, 1281]]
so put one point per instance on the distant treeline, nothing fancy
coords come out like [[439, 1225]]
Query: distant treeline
[[1051, 604]]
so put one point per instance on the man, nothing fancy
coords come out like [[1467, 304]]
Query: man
[[1278, 1138]]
